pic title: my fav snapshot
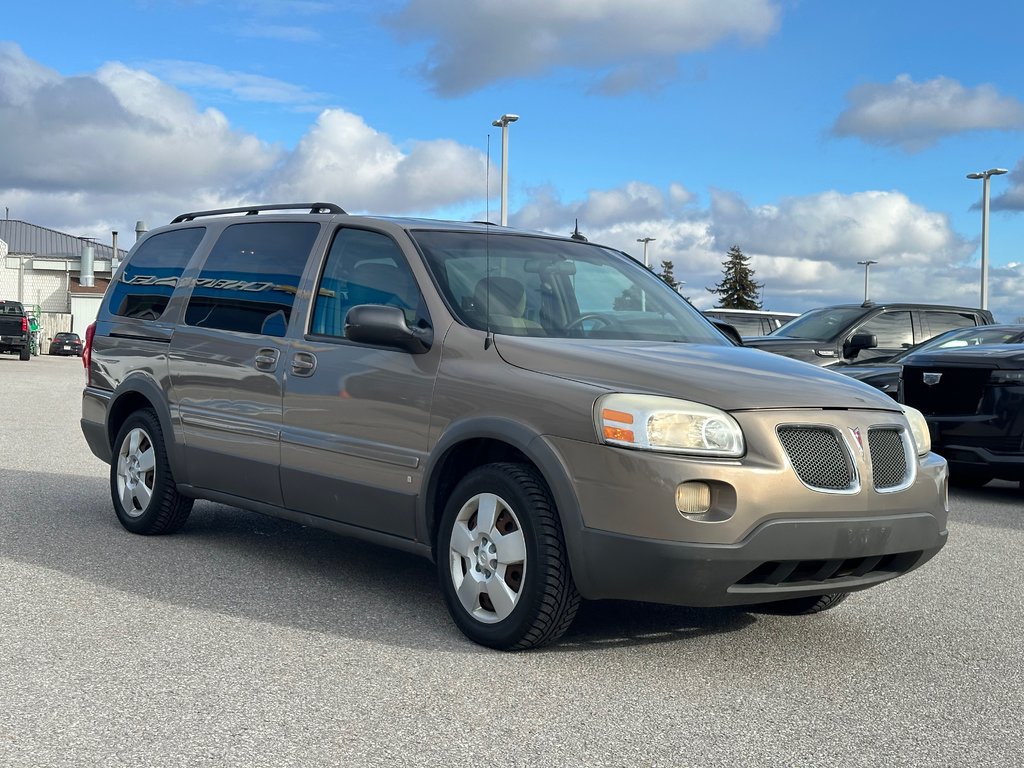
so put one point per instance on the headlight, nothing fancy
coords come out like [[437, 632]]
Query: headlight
[[654, 423], [918, 430]]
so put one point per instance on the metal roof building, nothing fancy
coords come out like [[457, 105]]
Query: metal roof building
[[23, 238], [42, 268]]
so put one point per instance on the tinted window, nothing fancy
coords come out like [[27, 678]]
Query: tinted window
[[364, 267], [892, 329], [249, 281], [150, 276], [940, 322], [822, 323]]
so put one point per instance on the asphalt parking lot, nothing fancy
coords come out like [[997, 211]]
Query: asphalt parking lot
[[249, 641]]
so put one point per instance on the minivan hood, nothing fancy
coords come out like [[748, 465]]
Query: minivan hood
[[730, 378]]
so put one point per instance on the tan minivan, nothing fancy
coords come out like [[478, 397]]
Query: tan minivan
[[542, 417]]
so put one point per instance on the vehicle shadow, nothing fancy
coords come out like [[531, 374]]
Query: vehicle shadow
[[616, 624], [243, 564]]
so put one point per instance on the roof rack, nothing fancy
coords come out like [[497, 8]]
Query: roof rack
[[253, 210]]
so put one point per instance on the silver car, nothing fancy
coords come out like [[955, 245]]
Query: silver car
[[542, 417]]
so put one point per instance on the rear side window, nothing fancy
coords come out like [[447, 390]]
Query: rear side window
[[150, 276], [250, 278], [940, 322]]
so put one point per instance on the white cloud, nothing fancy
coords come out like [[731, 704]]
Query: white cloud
[[632, 204], [244, 86], [1013, 198], [803, 250], [480, 42], [343, 159], [89, 147], [913, 116], [835, 227], [117, 131]]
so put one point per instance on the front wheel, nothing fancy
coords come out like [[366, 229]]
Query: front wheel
[[141, 484], [502, 560]]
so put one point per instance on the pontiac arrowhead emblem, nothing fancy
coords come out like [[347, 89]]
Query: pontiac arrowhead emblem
[[931, 379], [856, 436]]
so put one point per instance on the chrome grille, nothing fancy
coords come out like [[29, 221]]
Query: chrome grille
[[888, 458], [819, 457]]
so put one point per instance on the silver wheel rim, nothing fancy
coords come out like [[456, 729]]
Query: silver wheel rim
[[136, 472], [487, 554]]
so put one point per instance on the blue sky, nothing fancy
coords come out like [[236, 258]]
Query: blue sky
[[812, 134]]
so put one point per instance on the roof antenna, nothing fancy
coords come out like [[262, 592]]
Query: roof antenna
[[577, 235]]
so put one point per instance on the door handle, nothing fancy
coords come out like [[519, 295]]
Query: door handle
[[303, 364], [266, 359]]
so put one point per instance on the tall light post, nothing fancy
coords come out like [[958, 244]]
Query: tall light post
[[867, 267], [985, 175], [503, 123], [645, 241]]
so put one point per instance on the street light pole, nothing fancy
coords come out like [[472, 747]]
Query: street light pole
[[645, 241], [985, 176], [867, 267], [503, 123]]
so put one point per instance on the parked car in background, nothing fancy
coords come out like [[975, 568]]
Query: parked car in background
[[15, 334], [884, 373], [973, 400], [848, 332], [751, 322], [66, 344]]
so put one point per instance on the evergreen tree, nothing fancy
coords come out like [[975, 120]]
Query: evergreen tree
[[667, 275], [737, 289]]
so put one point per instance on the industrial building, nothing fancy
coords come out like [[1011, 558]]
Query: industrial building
[[60, 278]]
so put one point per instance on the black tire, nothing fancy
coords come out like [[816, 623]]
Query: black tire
[[141, 484], [969, 478], [803, 606], [24, 354], [537, 596]]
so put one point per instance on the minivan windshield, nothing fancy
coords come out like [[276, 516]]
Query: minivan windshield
[[527, 285], [819, 324]]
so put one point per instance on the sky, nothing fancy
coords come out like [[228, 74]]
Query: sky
[[812, 134]]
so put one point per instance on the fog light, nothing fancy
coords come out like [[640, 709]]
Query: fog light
[[693, 498]]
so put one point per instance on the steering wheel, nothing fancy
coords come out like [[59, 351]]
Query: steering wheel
[[603, 319]]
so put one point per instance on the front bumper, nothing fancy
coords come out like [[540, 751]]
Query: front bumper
[[780, 559], [982, 461]]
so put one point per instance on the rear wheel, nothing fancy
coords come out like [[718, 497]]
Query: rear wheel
[[141, 484], [803, 606], [502, 561], [24, 353]]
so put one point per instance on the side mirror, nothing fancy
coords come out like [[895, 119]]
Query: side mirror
[[858, 342], [384, 326], [729, 331]]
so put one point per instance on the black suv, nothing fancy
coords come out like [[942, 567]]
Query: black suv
[[973, 400], [847, 332], [65, 343]]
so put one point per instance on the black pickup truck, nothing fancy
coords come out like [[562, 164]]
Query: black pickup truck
[[847, 332], [14, 331]]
